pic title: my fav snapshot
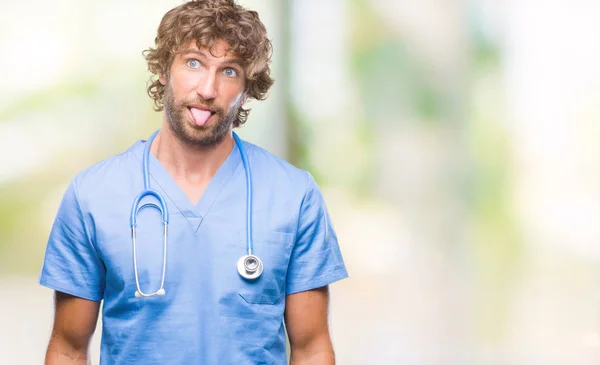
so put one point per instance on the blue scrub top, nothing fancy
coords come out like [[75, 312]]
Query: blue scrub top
[[209, 315]]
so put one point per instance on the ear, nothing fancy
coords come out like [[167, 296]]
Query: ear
[[244, 99], [162, 79]]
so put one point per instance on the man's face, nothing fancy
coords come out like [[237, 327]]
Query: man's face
[[203, 93]]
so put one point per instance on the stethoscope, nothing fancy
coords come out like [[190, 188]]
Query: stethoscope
[[249, 266]]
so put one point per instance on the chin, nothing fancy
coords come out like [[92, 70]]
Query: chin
[[204, 136]]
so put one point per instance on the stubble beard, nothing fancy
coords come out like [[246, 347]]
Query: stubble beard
[[206, 136]]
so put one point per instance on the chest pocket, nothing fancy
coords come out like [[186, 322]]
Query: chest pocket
[[274, 250]]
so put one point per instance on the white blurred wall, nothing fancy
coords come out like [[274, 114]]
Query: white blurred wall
[[414, 295]]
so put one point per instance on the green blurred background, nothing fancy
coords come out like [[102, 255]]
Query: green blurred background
[[456, 143]]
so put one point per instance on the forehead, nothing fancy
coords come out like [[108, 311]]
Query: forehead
[[219, 49]]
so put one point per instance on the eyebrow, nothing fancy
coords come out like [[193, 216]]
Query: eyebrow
[[231, 61]]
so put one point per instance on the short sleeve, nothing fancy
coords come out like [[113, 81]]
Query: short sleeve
[[316, 258], [71, 263]]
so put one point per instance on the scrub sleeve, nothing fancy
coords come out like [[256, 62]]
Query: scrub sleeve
[[71, 263], [316, 259]]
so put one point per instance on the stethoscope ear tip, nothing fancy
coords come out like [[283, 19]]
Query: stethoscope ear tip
[[160, 292]]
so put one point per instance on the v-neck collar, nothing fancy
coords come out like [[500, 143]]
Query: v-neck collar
[[194, 213]]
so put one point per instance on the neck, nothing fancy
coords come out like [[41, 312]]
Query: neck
[[193, 164]]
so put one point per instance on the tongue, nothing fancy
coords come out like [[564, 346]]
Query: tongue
[[200, 116]]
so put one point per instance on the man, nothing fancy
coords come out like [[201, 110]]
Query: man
[[175, 296]]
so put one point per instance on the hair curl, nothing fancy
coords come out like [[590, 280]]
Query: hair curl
[[207, 21]]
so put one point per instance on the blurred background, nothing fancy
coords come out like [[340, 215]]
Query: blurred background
[[456, 143]]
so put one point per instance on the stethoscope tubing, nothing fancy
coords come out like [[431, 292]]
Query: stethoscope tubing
[[245, 263], [249, 190]]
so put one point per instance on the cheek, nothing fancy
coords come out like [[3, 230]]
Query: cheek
[[180, 95], [236, 99], [183, 84]]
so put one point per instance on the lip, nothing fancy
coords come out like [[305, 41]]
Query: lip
[[202, 107]]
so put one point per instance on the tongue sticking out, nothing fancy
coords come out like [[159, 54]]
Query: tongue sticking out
[[200, 116]]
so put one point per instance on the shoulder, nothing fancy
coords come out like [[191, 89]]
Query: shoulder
[[107, 174], [277, 170]]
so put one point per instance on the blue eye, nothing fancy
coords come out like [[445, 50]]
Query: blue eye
[[230, 72], [193, 63]]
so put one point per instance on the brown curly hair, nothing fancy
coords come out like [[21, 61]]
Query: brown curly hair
[[207, 21]]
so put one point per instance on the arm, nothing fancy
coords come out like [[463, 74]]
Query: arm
[[307, 327], [74, 324]]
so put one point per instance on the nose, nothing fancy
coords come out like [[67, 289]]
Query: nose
[[207, 87]]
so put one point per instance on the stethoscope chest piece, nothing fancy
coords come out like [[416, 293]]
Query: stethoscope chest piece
[[250, 267]]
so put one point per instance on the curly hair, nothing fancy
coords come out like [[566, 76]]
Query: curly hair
[[207, 21]]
